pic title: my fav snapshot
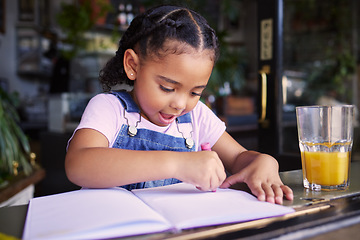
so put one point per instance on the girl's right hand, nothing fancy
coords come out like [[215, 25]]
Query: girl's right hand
[[203, 169]]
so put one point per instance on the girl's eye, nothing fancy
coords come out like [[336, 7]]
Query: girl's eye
[[166, 89], [196, 94]]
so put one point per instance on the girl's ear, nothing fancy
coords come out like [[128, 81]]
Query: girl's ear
[[131, 63]]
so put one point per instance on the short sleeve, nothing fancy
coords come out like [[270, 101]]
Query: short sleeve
[[103, 114], [208, 126]]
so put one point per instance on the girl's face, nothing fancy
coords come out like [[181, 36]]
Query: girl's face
[[171, 86]]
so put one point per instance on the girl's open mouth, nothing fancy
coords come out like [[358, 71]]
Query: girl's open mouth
[[166, 118]]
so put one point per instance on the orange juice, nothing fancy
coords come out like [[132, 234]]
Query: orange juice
[[325, 168], [326, 164]]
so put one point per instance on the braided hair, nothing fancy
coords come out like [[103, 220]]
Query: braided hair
[[147, 34]]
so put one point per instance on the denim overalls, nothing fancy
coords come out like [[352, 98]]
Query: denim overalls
[[148, 140]]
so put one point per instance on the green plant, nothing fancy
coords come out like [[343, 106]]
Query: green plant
[[75, 19], [332, 71], [230, 68], [14, 145], [333, 77]]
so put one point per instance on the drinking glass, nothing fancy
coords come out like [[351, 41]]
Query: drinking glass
[[325, 141]]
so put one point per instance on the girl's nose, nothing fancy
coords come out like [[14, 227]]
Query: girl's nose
[[178, 103]]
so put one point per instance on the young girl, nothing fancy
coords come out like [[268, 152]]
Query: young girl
[[152, 135]]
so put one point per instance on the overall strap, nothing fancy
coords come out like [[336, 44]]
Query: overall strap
[[186, 118], [126, 100]]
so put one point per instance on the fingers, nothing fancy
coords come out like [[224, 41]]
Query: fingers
[[272, 193], [212, 184], [288, 192], [219, 179], [213, 174], [231, 180], [203, 169], [225, 184], [264, 191], [215, 181]]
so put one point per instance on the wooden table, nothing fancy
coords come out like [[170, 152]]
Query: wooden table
[[21, 182]]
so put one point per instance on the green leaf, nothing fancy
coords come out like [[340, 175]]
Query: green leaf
[[14, 145]]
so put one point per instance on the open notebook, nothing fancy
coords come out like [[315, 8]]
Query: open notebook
[[116, 212]]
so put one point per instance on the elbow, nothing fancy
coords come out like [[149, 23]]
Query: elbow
[[73, 172], [79, 173]]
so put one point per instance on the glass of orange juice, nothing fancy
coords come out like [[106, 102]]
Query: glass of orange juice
[[325, 140]]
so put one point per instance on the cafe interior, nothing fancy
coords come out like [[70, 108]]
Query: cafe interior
[[275, 55]]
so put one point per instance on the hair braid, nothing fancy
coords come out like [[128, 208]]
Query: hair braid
[[148, 33]]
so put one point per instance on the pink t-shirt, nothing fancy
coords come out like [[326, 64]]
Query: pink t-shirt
[[105, 114]]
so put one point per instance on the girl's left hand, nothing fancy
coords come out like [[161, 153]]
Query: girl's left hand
[[261, 176]]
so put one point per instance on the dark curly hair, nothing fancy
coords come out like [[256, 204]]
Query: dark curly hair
[[147, 34]]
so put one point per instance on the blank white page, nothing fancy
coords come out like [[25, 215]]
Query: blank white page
[[187, 207], [90, 214]]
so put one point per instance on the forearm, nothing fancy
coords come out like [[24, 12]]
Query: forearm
[[246, 158], [108, 167]]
